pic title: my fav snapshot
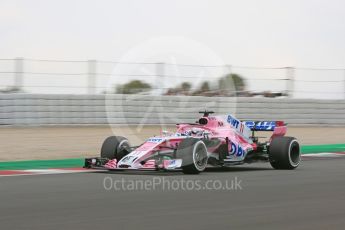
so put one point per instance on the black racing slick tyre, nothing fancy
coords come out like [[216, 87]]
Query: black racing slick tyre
[[193, 153], [284, 153], [115, 147]]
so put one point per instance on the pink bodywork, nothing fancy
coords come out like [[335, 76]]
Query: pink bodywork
[[217, 127]]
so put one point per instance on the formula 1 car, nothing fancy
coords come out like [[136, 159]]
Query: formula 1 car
[[211, 141]]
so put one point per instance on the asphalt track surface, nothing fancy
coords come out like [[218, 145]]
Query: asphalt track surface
[[311, 197]]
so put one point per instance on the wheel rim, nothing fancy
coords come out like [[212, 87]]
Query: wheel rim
[[200, 156], [119, 151], [123, 144], [294, 153]]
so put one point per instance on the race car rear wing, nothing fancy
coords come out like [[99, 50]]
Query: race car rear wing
[[263, 125]]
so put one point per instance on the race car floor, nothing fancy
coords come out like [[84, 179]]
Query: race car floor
[[311, 197]]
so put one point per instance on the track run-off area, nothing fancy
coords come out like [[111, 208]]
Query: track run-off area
[[310, 197], [74, 165]]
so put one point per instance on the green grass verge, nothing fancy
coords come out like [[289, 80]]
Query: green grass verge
[[79, 162], [42, 164], [322, 148]]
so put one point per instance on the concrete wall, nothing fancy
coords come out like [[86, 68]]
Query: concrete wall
[[36, 109]]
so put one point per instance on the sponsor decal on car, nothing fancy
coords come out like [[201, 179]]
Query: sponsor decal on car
[[239, 126], [155, 140], [172, 164], [236, 150], [233, 121], [261, 125]]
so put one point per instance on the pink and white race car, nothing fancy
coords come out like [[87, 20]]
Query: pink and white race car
[[212, 141]]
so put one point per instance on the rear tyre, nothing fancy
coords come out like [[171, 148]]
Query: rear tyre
[[115, 147], [284, 153], [193, 153]]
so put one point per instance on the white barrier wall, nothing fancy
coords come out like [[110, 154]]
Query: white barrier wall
[[36, 109]]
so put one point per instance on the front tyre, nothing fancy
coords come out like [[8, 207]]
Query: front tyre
[[115, 147], [193, 153], [284, 153]]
